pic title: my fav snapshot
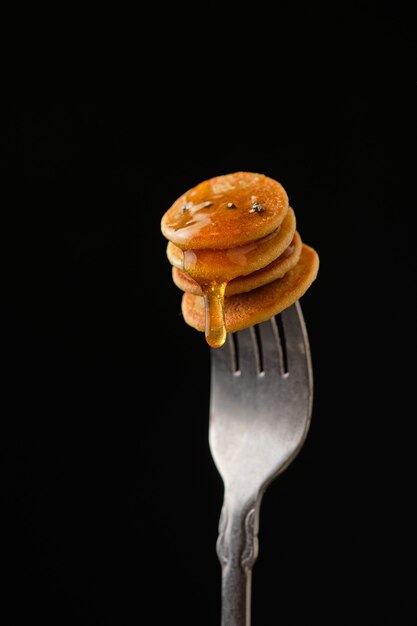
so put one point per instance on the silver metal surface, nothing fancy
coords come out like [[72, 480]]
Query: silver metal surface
[[260, 410]]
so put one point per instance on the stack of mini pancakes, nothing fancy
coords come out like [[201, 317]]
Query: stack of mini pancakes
[[236, 253]]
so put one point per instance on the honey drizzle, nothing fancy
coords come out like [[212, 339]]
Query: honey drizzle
[[193, 261], [215, 328]]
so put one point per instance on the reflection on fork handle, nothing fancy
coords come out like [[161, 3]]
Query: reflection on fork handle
[[237, 549]]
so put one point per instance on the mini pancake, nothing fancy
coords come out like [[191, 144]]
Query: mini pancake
[[276, 269], [224, 265], [246, 309], [225, 212]]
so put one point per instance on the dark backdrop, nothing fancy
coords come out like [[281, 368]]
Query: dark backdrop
[[110, 497]]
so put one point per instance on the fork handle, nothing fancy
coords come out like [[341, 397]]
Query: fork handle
[[237, 549]]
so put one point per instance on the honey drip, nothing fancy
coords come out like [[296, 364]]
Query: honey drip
[[215, 330]]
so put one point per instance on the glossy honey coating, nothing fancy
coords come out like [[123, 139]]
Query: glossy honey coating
[[225, 212], [224, 265], [256, 306], [277, 269]]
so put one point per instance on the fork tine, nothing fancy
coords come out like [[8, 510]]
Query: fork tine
[[224, 359], [248, 352], [272, 359], [295, 337]]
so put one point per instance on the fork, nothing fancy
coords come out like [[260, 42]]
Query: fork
[[261, 392]]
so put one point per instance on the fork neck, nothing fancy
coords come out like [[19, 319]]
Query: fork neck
[[237, 549]]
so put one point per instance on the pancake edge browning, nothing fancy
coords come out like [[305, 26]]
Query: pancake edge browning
[[253, 307], [274, 270], [210, 263]]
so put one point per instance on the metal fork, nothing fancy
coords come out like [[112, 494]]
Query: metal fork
[[261, 393]]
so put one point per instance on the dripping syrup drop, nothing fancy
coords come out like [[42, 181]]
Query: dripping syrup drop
[[215, 328]]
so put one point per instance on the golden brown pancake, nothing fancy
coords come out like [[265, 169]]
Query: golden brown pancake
[[224, 265], [246, 309], [276, 269], [225, 212], [236, 254]]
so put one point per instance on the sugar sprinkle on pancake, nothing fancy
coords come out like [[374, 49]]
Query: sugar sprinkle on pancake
[[256, 306], [226, 211]]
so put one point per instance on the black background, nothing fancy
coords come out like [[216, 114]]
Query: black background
[[110, 497]]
